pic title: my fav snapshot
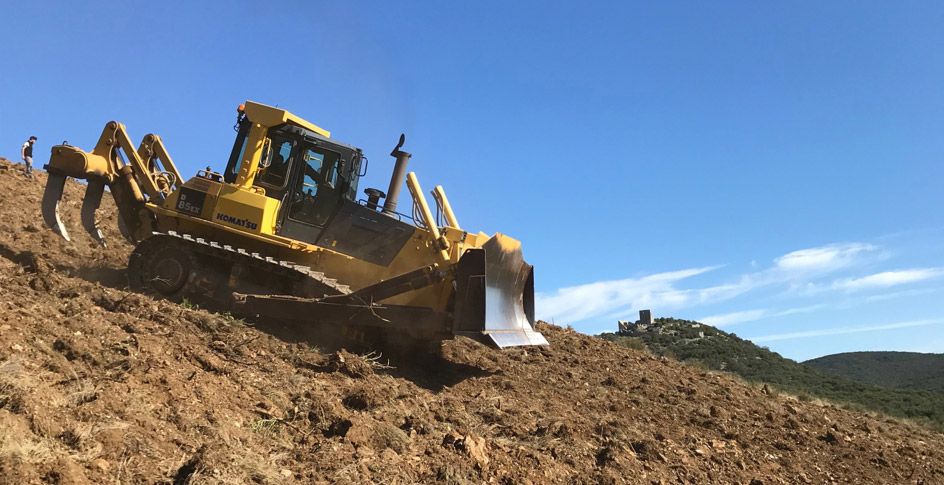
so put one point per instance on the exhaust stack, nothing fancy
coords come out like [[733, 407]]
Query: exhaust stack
[[373, 197], [396, 180]]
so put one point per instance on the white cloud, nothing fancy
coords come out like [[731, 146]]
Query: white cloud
[[577, 303], [797, 273], [845, 330], [800, 268], [887, 279], [732, 318], [822, 259], [901, 294]]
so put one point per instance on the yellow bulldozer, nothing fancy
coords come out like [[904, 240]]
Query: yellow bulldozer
[[280, 233]]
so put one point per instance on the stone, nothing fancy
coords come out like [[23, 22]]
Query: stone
[[101, 465], [476, 448]]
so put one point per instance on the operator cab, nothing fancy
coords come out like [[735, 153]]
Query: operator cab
[[315, 179], [308, 173]]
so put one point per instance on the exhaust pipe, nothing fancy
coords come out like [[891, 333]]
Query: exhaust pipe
[[373, 197], [396, 180]]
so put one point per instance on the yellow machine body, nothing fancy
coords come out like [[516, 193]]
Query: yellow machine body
[[287, 198]]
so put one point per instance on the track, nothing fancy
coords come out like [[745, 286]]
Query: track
[[183, 266]]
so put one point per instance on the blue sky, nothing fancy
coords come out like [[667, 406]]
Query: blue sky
[[774, 169]]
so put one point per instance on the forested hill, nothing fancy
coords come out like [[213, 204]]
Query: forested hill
[[896, 370], [706, 346]]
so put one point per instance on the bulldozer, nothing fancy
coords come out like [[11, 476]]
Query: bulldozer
[[281, 233]]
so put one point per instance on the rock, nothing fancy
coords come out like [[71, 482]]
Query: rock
[[475, 447], [101, 465], [388, 454], [470, 444], [286, 473]]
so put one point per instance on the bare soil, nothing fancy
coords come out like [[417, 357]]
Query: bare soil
[[101, 385]]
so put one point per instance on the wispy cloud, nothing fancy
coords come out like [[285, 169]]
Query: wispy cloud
[[796, 268], [845, 330], [734, 317], [823, 259], [726, 319], [887, 279], [577, 303], [902, 294], [618, 298], [803, 273]]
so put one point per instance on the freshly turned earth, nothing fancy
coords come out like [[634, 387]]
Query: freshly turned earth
[[100, 385]]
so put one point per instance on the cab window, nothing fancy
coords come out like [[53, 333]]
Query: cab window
[[237, 154], [319, 177], [274, 168]]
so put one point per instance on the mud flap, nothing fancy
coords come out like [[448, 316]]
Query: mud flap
[[495, 295], [51, 197]]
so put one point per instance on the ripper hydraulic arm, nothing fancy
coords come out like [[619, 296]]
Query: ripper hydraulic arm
[[133, 177]]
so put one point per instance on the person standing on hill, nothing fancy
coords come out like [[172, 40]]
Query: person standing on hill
[[27, 153]]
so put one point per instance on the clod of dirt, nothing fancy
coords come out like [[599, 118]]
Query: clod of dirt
[[351, 364], [65, 471], [645, 449], [188, 468], [830, 437], [377, 436], [471, 445], [338, 427], [358, 401], [10, 398]]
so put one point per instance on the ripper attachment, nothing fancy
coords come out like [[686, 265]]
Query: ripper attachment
[[132, 176]]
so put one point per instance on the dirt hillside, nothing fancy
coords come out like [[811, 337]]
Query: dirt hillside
[[99, 385]]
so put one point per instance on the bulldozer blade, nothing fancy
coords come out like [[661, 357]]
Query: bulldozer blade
[[55, 184], [495, 295], [93, 198]]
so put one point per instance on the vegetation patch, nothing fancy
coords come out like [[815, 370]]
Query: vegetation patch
[[707, 347]]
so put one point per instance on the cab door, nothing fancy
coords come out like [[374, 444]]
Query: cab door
[[311, 201]]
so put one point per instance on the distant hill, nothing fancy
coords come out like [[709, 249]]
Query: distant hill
[[703, 345], [896, 370]]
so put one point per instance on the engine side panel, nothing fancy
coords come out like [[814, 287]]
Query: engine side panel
[[366, 234]]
